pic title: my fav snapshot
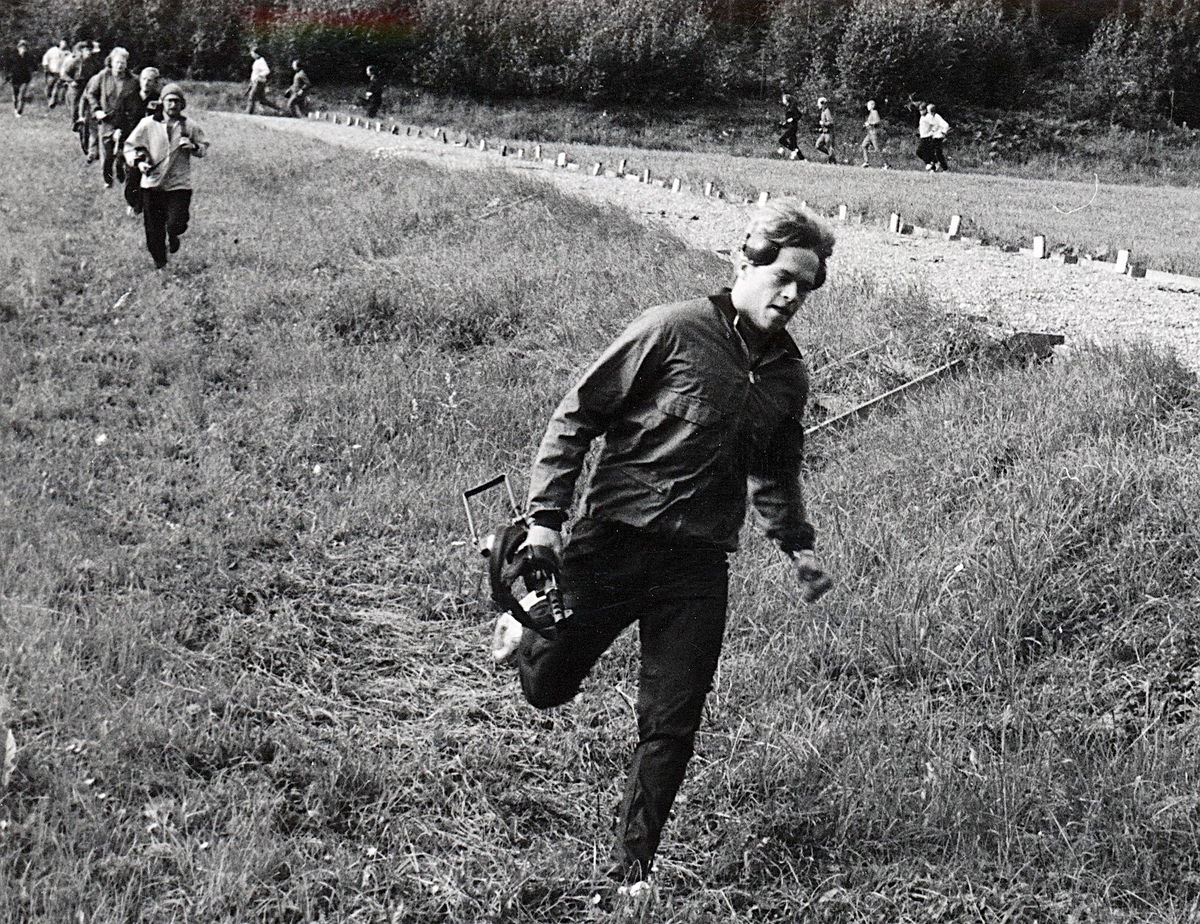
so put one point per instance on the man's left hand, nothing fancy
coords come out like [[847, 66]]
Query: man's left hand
[[815, 582]]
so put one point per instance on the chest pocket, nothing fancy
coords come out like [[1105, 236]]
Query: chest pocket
[[686, 407]]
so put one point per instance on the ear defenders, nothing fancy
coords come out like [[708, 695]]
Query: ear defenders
[[759, 251]]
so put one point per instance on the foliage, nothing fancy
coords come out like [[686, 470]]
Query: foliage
[[616, 49], [970, 52], [800, 41], [1133, 67]]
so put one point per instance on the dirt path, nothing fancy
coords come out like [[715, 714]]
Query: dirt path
[[1083, 302]]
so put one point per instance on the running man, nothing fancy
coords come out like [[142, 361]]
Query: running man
[[700, 404]]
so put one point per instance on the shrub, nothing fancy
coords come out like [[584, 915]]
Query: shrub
[[1131, 68], [970, 52]]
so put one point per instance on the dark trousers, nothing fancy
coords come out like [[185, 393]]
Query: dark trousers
[[925, 150], [133, 189], [165, 215], [258, 94], [937, 153], [614, 576], [19, 93], [112, 162]]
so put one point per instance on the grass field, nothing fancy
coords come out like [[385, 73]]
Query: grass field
[[1091, 203], [242, 645]]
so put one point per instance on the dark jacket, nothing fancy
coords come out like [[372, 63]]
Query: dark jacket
[[20, 67], [690, 427], [119, 98]]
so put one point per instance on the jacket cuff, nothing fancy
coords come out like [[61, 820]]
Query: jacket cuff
[[551, 519]]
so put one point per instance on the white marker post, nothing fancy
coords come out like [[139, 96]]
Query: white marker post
[[763, 197], [676, 185], [1122, 261], [894, 224], [955, 231], [1039, 247]]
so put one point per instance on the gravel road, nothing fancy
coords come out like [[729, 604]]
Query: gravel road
[[1084, 301]]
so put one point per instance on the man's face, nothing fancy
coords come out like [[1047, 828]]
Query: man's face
[[173, 106], [766, 297], [120, 66], [151, 84]]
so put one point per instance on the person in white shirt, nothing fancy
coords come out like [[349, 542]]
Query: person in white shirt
[[259, 72], [52, 62], [162, 152], [938, 128]]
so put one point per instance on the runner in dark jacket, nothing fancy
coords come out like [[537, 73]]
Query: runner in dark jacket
[[20, 68]]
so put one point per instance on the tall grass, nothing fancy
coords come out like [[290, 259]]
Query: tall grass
[[243, 640]]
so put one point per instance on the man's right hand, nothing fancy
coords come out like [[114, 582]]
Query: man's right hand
[[100, 115]]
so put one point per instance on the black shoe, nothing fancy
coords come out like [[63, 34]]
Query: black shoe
[[173, 243]]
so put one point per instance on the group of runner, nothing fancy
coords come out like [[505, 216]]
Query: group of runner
[[133, 125], [932, 130]]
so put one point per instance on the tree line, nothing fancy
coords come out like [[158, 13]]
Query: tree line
[[1133, 62]]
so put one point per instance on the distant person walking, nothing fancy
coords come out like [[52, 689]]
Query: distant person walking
[[873, 124], [52, 62], [372, 97], [297, 94], [260, 72], [925, 137], [938, 129], [20, 68], [790, 124], [825, 140], [161, 150], [112, 96]]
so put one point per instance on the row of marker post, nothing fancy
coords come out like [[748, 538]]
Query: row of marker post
[[1125, 264]]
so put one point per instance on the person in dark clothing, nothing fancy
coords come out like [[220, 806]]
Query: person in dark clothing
[[149, 104], [297, 94], [788, 143], [372, 97], [700, 406], [88, 64], [20, 68]]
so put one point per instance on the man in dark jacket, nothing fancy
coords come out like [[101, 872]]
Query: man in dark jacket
[[149, 104], [20, 68], [88, 64], [112, 98], [700, 405]]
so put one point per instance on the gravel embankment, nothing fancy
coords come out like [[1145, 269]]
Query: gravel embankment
[[1081, 301]]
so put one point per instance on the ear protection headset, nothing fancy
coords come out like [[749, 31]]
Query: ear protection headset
[[759, 251]]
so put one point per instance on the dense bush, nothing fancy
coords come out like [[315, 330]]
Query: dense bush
[[800, 41], [970, 52], [619, 49], [1132, 67]]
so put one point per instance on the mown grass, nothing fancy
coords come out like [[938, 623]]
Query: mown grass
[[243, 646], [1087, 200]]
